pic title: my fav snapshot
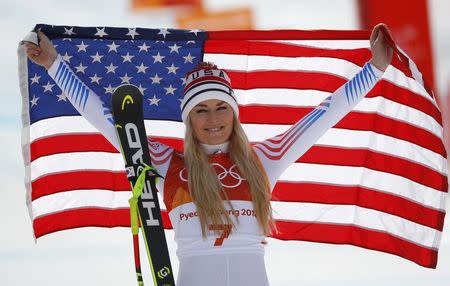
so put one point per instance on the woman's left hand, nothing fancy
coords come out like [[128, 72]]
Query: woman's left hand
[[381, 50]]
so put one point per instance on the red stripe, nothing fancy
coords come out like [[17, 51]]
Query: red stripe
[[70, 143], [285, 79], [79, 180], [360, 196], [273, 49], [289, 35], [84, 218], [349, 234], [354, 120]]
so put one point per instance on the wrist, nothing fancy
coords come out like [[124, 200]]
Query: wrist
[[50, 62], [379, 66]]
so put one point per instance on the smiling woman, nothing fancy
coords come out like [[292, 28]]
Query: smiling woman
[[212, 121]]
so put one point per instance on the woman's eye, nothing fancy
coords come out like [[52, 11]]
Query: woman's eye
[[222, 108], [201, 110]]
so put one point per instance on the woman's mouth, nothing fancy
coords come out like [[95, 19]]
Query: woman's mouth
[[213, 130]]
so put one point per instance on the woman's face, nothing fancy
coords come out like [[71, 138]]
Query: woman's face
[[212, 121]]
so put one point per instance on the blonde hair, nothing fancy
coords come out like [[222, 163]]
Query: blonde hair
[[206, 190]]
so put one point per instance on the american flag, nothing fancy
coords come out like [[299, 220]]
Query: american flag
[[377, 179]]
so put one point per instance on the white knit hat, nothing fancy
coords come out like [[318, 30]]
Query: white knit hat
[[207, 82]]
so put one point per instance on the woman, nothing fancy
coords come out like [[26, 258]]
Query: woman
[[218, 192]]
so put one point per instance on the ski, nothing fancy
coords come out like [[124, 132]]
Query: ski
[[128, 116]]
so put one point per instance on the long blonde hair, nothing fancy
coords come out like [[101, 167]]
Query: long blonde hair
[[206, 190]]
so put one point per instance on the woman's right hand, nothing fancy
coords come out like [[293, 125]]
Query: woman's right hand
[[44, 54]]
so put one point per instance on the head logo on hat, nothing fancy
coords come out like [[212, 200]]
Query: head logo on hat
[[205, 82]]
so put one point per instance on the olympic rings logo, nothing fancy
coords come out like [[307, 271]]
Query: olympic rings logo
[[221, 176]]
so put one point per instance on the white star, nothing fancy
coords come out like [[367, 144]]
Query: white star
[[183, 79], [174, 48], [61, 97], [195, 31], [66, 57], [125, 79], [188, 58], [143, 47], [35, 79], [170, 90], [82, 47], [67, 39], [158, 58], [34, 100], [95, 79], [172, 69], [141, 68], [69, 32], [141, 88], [109, 89], [113, 47], [80, 68], [132, 32], [190, 42], [154, 100], [48, 87], [127, 57], [156, 79], [111, 68], [163, 32], [101, 32], [97, 58]]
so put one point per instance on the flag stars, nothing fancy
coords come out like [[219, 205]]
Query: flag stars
[[170, 90], [80, 68], [141, 88], [154, 100], [82, 47], [195, 31], [163, 32], [109, 89], [48, 87], [97, 58], [113, 47], [127, 57], [158, 58], [188, 58], [101, 32], [156, 79], [126, 78], [69, 32], [174, 48], [35, 79], [61, 97], [34, 101], [172, 69], [183, 79], [132, 33], [111, 68], [95, 79], [66, 57], [141, 68], [143, 47]]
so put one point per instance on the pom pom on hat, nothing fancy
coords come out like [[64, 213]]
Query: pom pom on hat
[[205, 82]]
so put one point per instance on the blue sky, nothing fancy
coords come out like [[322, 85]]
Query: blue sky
[[103, 256]]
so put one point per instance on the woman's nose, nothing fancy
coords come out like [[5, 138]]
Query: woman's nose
[[212, 117]]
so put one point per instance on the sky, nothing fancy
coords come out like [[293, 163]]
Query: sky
[[98, 256]]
